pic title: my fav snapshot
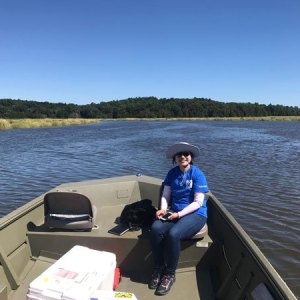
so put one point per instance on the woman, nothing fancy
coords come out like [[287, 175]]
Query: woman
[[184, 193]]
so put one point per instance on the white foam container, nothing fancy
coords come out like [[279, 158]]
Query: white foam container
[[75, 276]]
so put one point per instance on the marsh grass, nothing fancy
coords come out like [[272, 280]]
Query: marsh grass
[[4, 124], [37, 123], [267, 118]]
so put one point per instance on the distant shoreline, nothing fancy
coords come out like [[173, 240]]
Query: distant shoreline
[[6, 124], [267, 118]]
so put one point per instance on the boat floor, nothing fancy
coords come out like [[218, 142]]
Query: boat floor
[[185, 287], [192, 282]]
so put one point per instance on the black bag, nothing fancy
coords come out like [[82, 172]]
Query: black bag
[[138, 214]]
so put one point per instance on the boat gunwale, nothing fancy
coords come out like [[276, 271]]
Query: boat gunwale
[[261, 260], [21, 212]]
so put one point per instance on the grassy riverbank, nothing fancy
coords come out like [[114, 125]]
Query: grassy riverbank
[[268, 118], [37, 123]]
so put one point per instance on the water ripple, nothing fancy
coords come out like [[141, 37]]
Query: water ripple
[[252, 167]]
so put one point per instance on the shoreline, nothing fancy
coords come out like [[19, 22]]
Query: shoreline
[[267, 118], [6, 124]]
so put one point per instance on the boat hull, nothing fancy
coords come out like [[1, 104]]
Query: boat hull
[[225, 264]]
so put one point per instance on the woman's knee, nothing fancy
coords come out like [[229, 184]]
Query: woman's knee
[[156, 227], [174, 233]]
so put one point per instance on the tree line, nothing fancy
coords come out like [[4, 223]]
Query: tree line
[[142, 107]]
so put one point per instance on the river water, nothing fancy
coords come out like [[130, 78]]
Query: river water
[[253, 167]]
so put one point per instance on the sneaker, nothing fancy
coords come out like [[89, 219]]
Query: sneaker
[[155, 279], [165, 285]]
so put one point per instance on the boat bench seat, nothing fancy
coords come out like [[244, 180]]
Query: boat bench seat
[[127, 247], [201, 233]]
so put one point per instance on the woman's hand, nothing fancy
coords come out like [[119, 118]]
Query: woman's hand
[[159, 213], [173, 216], [162, 212]]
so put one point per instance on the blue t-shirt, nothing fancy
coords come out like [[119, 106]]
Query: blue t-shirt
[[184, 185]]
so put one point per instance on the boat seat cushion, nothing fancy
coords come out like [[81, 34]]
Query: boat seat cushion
[[201, 233], [69, 211]]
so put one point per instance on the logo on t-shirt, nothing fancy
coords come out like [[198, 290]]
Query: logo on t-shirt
[[189, 184]]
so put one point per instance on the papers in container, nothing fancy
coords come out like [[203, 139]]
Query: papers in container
[[75, 276]]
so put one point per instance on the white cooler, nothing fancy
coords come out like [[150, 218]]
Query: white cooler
[[75, 276]]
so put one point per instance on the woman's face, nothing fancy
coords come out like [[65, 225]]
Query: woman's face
[[183, 159]]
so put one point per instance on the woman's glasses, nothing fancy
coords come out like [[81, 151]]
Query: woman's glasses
[[186, 154]]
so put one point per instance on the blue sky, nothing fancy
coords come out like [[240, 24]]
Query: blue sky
[[101, 50]]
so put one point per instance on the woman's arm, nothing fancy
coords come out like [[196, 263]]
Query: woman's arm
[[164, 201], [165, 198], [197, 203]]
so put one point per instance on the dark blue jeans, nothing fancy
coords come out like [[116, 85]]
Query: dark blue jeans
[[166, 239]]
